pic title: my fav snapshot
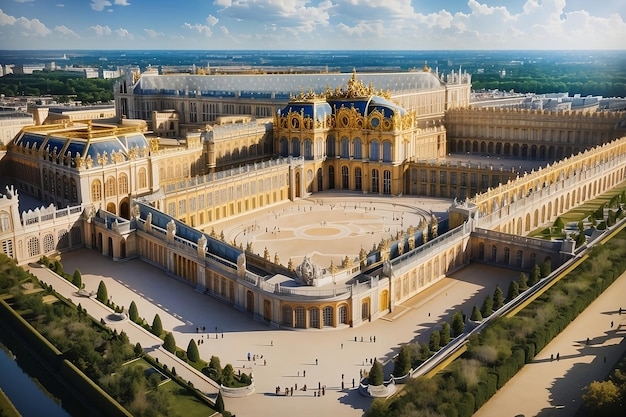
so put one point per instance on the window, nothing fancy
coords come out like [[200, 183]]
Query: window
[[345, 178], [64, 239], [308, 149], [48, 243], [284, 147], [375, 180], [73, 191], [314, 318], [374, 151], [33, 247], [300, 318], [358, 149], [386, 182], [387, 151], [5, 223], [96, 190], [330, 146], [110, 187], [345, 148], [7, 247], [123, 184], [343, 315], [328, 316], [287, 316], [358, 180], [295, 147]]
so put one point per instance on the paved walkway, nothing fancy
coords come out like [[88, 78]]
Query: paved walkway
[[546, 387], [287, 355]]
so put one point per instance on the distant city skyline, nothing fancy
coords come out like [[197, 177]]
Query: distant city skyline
[[313, 24]]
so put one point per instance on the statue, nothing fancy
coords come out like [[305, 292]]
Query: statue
[[148, 225], [308, 271], [387, 269], [171, 230], [202, 246], [241, 265]]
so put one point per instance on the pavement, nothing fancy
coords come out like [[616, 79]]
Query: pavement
[[284, 357], [547, 387]]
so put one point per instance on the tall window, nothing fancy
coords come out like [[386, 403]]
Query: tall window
[[48, 243], [375, 181], [287, 316], [5, 224], [284, 147], [374, 151], [330, 146], [300, 317], [142, 178], [345, 178], [33, 247], [110, 187], [96, 190], [386, 182], [314, 318], [308, 149], [295, 147], [358, 149], [358, 180], [343, 315], [328, 316], [345, 148], [386, 151], [123, 184]]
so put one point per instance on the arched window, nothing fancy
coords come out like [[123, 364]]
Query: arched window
[[300, 318], [314, 318], [358, 179], [386, 182], [142, 178], [48, 243], [96, 190], [330, 145], [345, 178], [110, 188], [308, 149], [507, 255], [375, 181], [328, 316], [374, 151], [64, 239], [66, 187], [73, 191], [386, 151], [284, 147], [5, 224], [295, 146], [358, 148], [343, 315], [345, 148], [123, 184]]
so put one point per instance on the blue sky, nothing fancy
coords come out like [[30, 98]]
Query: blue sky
[[313, 24]]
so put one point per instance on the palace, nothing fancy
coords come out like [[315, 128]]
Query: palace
[[191, 151]]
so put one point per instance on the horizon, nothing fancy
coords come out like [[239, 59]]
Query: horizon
[[313, 24]]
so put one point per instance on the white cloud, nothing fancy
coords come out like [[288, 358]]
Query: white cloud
[[99, 5], [201, 29], [23, 1], [6, 19], [60, 5], [212, 20], [64, 30], [153, 33], [224, 30], [123, 33], [101, 30], [122, 3], [24, 26]]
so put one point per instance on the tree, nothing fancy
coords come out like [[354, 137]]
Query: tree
[[476, 315], [138, 349], [457, 324], [433, 343], [133, 313], [602, 399], [219, 403], [157, 326], [523, 281], [215, 369], [375, 376], [513, 291], [402, 364], [558, 224], [487, 308], [103, 295], [546, 268], [169, 343], [445, 333], [228, 375], [77, 279], [192, 351], [498, 298], [535, 274]]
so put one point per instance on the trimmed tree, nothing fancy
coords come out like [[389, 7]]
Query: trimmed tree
[[445, 333], [457, 324], [103, 295], [138, 349], [169, 343], [476, 315], [192, 351], [375, 376], [219, 403], [498, 298], [523, 281], [215, 369], [487, 308], [535, 274], [402, 364], [433, 343], [133, 313], [157, 326], [228, 375], [513, 291], [546, 268], [77, 279]]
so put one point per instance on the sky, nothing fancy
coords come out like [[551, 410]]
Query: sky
[[313, 24]]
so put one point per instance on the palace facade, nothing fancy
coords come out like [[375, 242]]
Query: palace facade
[[132, 193]]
